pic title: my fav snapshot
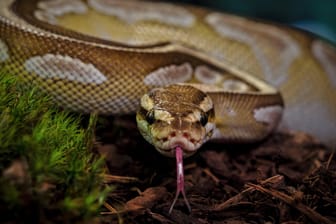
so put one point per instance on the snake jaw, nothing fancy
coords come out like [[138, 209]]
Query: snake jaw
[[189, 146], [179, 179]]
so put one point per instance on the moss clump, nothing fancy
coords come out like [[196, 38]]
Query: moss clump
[[47, 171]]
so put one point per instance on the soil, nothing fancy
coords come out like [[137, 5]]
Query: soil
[[288, 178]]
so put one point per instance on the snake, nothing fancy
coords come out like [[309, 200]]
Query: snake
[[190, 74]]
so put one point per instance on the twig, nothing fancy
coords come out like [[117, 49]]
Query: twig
[[310, 213], [110, 208], [238, 197], [211, 175], [119, 179], [330, 159]]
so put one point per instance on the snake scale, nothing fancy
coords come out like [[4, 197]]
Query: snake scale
[[103, 55]]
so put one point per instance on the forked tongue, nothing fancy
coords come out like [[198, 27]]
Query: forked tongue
[[179, 178]]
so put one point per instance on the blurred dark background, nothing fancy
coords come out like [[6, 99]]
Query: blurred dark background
[[318, 16]]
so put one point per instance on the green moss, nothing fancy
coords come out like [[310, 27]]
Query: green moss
[[48, 170]]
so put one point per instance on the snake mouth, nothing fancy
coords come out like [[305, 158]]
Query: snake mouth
[[167, 146]]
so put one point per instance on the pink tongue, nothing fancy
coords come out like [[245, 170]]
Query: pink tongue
[[180, 179]]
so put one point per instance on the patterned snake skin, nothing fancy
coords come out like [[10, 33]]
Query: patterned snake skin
[[103, 55]]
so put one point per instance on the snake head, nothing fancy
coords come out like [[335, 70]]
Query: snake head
[[178, 115]]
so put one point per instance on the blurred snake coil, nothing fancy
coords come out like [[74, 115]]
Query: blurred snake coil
[[103, 55]]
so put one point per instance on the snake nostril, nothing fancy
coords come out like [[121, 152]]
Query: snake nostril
[[172, 134]]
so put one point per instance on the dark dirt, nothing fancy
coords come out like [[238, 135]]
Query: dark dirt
[[289, 178]]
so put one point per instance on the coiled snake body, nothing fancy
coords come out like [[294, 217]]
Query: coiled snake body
[[103, 55]]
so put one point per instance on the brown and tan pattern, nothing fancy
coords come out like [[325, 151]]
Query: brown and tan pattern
[[102, 56], [132, 11]]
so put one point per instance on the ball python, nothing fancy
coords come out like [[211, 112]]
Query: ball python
[[202, 74]]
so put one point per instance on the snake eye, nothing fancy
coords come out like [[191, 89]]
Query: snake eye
[[204, 119], [150, 118]]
